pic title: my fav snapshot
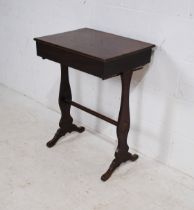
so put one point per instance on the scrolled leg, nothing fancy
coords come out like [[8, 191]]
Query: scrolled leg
[[122, 155], [66, 122]]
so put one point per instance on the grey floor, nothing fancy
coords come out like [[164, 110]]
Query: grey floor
[[67, 177]]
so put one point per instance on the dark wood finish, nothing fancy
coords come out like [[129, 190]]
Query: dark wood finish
[[122, 154], [96, 114], [98, 53], [66, 122], [76, 61], [103, 55]]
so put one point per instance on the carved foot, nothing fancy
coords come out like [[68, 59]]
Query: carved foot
[[61, 132], [116, 163], [77, 129]]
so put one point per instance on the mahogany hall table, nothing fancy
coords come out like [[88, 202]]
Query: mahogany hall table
[[103, 55]]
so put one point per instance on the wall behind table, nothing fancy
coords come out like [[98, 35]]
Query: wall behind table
[[20, 22], [162, 95]]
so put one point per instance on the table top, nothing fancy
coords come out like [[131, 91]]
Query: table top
[[97, 44], [96, 47]]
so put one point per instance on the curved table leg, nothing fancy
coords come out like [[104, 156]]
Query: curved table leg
[[66, 122], [122, 154]]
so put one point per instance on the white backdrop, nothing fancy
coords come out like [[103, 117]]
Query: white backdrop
[[162, 95]]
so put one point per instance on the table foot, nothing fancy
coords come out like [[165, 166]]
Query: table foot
[[116, 163], [62, 131]]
